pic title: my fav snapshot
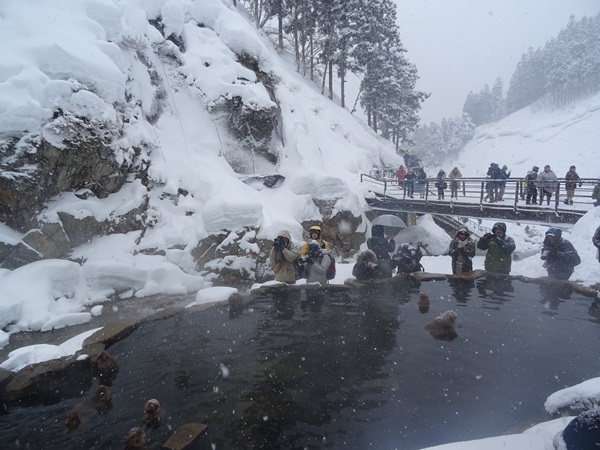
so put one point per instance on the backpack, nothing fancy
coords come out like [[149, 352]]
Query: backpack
[[576, 259], [331, 269]]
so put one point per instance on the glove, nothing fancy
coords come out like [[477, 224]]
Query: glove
[[462, 244]]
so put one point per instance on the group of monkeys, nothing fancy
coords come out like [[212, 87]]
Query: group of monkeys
[[106, 367]]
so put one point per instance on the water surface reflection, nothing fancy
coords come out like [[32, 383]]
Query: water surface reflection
[[349, 370]]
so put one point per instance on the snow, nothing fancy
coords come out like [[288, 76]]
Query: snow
[[212, 294], [79, 54], [24, 356]]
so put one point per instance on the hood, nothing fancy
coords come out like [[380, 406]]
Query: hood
[[366, 256], [316, 228], [556, 232], [500, 225], [285, 234], [463, 230]]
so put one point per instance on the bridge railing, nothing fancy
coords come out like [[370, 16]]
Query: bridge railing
[[485, 193]]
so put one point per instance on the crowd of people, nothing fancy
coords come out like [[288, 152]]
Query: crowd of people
[[536, 185], [315, 262]]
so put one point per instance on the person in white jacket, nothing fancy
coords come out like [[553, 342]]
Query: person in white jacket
[[546, 184], [317, 261]]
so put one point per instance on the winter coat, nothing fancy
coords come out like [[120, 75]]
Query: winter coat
[[560, 258], [454, 174], [282, 260], [531, 182], [572, 179], [504, 175], [316, 269], [499, 249], [323, 243], [410, 179], [546, 181], [421, 176], [596, 242], [401, 173], [440, 183], [382, 248], [408, 258], [366, 267], [461, 253], [596, 193], [494, 171]]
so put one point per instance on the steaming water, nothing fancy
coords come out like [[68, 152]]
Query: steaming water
[[339, 370]]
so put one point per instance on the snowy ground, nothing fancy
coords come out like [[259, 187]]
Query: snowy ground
[[48, 64]]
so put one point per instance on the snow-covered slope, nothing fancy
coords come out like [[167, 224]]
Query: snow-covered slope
[[536, 136]]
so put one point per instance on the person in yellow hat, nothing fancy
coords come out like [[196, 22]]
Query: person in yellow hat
[[315, 235]]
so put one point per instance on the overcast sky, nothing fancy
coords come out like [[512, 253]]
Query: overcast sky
[[460, 45]]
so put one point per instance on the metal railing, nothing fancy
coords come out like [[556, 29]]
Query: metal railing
[[475, 192]]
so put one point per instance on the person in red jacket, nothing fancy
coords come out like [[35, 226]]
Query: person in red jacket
[[400, 174]]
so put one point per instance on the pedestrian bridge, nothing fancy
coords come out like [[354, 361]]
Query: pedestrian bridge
[[388, 196]]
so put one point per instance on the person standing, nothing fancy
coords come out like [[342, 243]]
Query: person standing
[[400, 174], [440, 184], [559, 255], [531, 187], [504, 175], [546, 183], [596, 242], [596, 193], [315, 235], [316, 262], [422, 182], [282, 256], [366, 267], [409, 180], [454, 176], [462, 249], [571, 181], [382, 247], [499, 248], [493, 175]]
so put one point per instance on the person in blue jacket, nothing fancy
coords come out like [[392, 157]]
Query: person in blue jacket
[[559, 255]]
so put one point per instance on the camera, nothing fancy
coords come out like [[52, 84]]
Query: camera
[[307, 260], [278, 242], [545, 253]]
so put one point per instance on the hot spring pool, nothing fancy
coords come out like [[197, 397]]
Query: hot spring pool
[[345, 370]]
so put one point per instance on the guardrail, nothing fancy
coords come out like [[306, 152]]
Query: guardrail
[[474, 193]]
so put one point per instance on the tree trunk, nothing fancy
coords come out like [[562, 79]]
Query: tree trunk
[[330, 79], [312, 61], [296, 43], [280, 26], [326, 65]]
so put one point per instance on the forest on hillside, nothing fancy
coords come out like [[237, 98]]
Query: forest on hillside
[[565, 69], [333, 38]]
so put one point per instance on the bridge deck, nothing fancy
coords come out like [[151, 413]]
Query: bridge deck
[[389, 196]]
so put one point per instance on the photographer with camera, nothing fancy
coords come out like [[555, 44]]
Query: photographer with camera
[[282, 256], [462, 249], [316, 262], [408, 258], [366, 267], [382, 246], [499, 248], [559, 255]]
